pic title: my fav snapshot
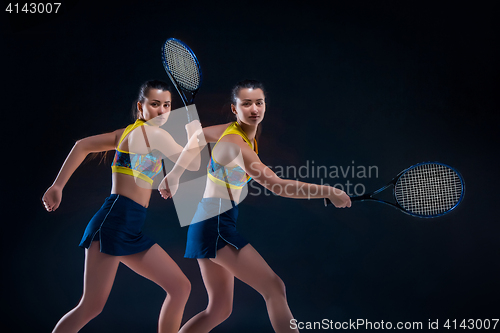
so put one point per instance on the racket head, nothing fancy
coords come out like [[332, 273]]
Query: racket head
[[429, 189], [181, 65]]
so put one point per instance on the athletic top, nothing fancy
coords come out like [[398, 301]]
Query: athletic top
[[143, 166], [234, 177]]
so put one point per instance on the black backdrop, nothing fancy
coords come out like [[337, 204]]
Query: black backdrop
[[366, 84]]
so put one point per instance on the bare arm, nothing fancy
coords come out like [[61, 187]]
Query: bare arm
[[81, 149], [289, 188], [189, 155], [163, 141], [170, 183]]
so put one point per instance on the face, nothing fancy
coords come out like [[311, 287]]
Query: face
[[250, 106], [156, 105]]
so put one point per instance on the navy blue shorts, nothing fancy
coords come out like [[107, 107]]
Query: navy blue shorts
[[215, 230], [118, 227]]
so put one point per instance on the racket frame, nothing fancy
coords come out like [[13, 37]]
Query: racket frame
[[395, 204], [177, 86]]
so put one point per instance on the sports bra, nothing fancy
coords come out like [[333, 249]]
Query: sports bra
[[143, 166], [232, 177]]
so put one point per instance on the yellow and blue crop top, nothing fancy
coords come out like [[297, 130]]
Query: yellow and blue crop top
[[143, 166], [236, 176]]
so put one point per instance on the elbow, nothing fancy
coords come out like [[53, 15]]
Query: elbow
[[286, 189], [194, 165], [79, 145], [273, 185], [192, 168], [82, 146]]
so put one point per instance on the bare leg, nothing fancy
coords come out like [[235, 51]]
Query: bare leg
[[219, 283], [156, 265], [100, 271], [248, 266]]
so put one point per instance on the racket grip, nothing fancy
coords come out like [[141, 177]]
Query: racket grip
[[163, 168], [328, 202]]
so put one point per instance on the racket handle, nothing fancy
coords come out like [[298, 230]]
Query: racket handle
[[163, 168], [189, 116], [328, 202]]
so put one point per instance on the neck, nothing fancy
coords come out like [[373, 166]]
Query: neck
[[250, 130]]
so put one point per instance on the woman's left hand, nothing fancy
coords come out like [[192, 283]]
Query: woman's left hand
[[52, 198], [168, 186]]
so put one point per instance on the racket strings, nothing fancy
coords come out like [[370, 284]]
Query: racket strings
[[182, 65], [429, 189]]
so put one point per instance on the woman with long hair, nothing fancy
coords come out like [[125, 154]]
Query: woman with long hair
[[114, 234], [213, 240]]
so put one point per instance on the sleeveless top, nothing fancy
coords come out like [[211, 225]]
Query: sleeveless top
[[232, 177], [143, 166]]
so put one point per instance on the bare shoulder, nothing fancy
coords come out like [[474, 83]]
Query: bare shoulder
[[118, 134], [213, 133], [231, 146], [152, 135], [150, 131], [236, 139]]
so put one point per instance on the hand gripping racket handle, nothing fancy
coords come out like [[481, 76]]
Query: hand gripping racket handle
[[328, 202]]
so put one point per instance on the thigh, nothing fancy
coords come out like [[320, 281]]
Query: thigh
[[248, 265], [100, 272], [156, 265], [218, 281]]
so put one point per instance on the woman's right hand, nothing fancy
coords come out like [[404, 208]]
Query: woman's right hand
[[339, 198], [168, 186], [52, 198]]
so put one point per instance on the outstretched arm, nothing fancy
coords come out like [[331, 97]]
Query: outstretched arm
[[289, 188], [93, 144]]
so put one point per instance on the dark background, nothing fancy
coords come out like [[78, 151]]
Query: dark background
[[384, 84]]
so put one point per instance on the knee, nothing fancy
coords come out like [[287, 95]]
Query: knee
[[93, 313], [90, 310], [274, 287], [225, 313], [185, 287], [181, 289], [220, 312]]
